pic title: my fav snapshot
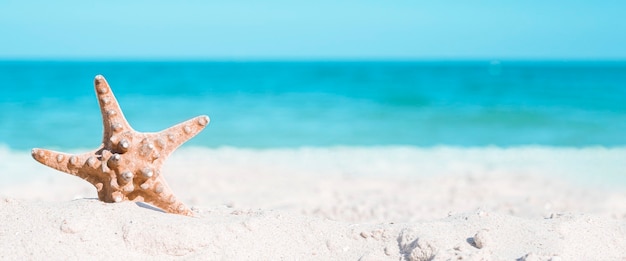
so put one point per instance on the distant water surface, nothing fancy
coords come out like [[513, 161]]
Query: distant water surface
[[295, 104]]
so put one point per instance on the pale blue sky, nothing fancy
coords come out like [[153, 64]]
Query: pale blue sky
[[324, 29]]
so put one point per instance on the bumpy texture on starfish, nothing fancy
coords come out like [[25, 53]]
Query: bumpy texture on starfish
[[127, 166]]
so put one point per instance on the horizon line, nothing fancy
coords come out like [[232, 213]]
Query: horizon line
[[309, 59]]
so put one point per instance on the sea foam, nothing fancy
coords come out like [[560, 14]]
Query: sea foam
[[594, 166]]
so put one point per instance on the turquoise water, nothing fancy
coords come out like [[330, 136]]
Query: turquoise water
[[295, 104]]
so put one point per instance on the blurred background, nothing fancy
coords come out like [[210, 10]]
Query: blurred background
[[284, 74]]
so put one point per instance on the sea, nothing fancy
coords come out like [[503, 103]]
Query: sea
[[292, 104], [416, 117]]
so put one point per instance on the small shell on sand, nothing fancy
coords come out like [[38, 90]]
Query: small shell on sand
[[482, 238]]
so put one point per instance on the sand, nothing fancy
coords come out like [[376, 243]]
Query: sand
[[388, 203]]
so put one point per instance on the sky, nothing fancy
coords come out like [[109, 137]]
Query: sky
[[312, 30]]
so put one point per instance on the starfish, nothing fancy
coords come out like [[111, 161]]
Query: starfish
[[127, 165]]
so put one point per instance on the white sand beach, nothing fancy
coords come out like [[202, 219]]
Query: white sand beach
[[387, 203]]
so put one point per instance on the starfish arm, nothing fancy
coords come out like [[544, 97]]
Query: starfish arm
[[159, 194], [170, 204], [180, 133], [64, 162], [113, 119]]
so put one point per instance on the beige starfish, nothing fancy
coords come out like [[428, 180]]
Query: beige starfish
[[127, 166]]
